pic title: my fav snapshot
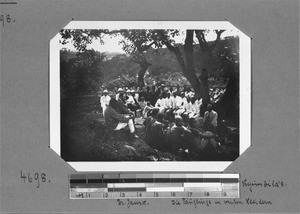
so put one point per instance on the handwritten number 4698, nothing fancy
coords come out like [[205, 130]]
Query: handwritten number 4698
[[6, 19], [36, 178]]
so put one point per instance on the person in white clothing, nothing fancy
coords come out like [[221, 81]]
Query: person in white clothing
[[130, 99], [158, 103], [199, 104], [178, 101], [120, 90], [187, 104], [168, 101], [104, 100], [172, 99], [181, 105], [195, 109], [210, 118]]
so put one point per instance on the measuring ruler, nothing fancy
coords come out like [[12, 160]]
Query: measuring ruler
[[163, 185]]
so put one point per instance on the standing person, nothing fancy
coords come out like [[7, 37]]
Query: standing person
[[104, 100], [117, 121]]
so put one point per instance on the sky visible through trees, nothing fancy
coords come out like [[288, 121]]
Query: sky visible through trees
[[111, 43]]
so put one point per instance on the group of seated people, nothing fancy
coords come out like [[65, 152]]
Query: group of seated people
[[195, 135], [180, 101], [165, 126]]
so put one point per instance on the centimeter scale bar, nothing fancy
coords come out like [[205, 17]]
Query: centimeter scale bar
[[113, 186]]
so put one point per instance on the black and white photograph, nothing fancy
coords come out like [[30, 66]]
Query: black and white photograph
[[151, 92]]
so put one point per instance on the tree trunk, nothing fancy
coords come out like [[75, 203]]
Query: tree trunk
[[204, 79], [228, 105], [187, 65], [144, 66]]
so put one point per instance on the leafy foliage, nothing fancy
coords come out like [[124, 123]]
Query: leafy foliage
[[81, 74]]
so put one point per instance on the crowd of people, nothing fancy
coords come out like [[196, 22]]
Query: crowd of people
[[172, 117], [141, 100]]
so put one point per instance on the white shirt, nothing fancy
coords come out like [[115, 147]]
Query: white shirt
[[104, 100], [187, 106], [130, 100], [158, 103], [178, 101], [136, 96], [163, 103], [195, 108], [168, 102], [173, 104], [212, 117]]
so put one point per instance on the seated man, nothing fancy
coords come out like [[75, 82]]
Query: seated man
[[131, 102], [121, 107], [142, 105], [181, 105], [210, 126], [115, 120], [150, 119], [195, 109], [155, 134], [175, 136], [210, 119], [147, 109], [160, 103]]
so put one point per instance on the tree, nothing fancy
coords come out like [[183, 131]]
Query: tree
[[228, 59], [207, 51], [187, 63], [80, 38], [81, 74], [135, 43]]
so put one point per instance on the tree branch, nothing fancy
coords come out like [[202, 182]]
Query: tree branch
[[166, 42], [201, 39], [218, 32], [146, 47]]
